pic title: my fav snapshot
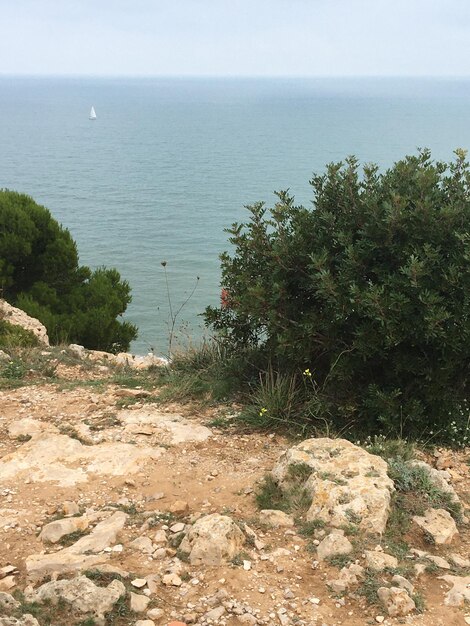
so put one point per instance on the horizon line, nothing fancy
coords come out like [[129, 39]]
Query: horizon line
[[237, 76]]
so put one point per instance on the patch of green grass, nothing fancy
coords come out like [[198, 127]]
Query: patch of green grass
[[71, 538], [182, 556], [87, 622], [299, 472], [417, 490], [419, 602], [307, 529], [292, 498], [12, 336], [121, 613], [340, 560], [389, 448], [102, 578], [369, 587], [238, 559], [14, 369]]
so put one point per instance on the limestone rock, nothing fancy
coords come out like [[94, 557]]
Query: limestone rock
[[439, 525], [81, 593], [179, 507], [17, 317], [70, 508], [41, 566], [459, 595], [378, 561], [273, 517], [172, 580], [333, 545], [396, 600], [459, 560], [7, 602], [24, 620], [172, 429], [143, 544], [439, 478], [404, 583], [343, 480], [144, 622], [28, 427], [212, 539], [63, 460], [4, 356], [139, 602], [155, 614], [77, 557], [54, 531], [348, 576]]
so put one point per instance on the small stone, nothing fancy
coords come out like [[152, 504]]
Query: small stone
[[334, 544], [378, 561], [248, 619], [160, 537], [179, 507], [155, 614], [139, 583], [143, 544], [139, 603], [396, 600], [215, 614], [247, 565], [144, 622], [172, 580], [70, 508], [401, 581], [273, 517], [177, 528], [380, 619]]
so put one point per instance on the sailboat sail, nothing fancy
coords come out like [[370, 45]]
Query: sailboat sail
[[92, 113]]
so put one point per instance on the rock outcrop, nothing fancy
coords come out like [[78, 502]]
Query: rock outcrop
[[346, 483], [212, 539], [17, 317]]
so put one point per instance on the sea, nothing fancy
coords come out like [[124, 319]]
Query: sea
[[170, 163]]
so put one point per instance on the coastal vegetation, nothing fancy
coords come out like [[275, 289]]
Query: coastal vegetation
[[354, 315], [40, 273]]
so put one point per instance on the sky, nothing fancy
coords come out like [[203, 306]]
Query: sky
[[235, 37]]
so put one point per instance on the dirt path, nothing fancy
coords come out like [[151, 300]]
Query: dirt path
[[78, 443]]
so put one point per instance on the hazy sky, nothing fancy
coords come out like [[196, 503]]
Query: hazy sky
[[235, 37]]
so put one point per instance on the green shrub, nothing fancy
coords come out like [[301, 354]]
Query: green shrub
[[369, 289], [12, 336], [39, 273]]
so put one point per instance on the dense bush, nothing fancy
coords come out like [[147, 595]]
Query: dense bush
[[40, 273], [369, 290]]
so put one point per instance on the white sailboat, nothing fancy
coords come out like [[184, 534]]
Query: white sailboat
[[92, 113]]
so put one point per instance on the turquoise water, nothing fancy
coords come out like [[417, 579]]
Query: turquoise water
[[169, 163]]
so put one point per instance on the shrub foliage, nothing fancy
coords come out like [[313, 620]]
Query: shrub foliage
[[369, 289], [40, 273]]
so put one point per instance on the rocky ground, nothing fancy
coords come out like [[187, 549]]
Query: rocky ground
[[117, 509]]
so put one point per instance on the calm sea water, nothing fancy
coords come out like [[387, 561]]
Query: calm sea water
[[169, 163]]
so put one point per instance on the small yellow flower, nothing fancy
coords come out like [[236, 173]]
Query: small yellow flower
[[262, 412], [308, 373]]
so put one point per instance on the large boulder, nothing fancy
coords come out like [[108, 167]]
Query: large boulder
[[17, 317], [212, 539], [346, 483], [81, 594]]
